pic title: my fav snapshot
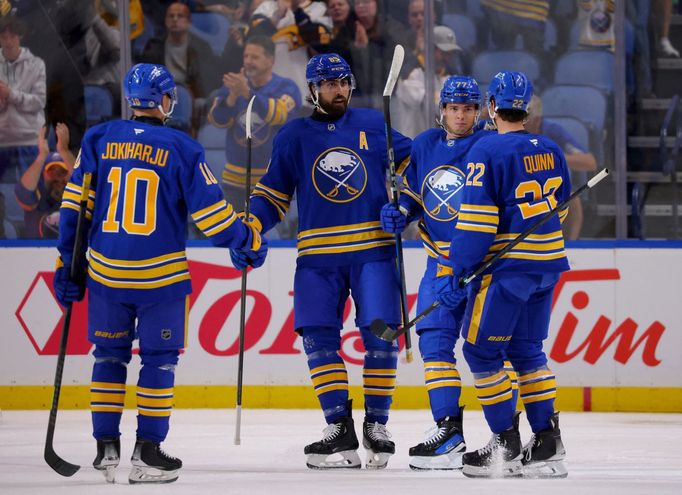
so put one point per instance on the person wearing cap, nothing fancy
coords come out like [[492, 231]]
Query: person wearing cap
[[39, 191], [411, 92]]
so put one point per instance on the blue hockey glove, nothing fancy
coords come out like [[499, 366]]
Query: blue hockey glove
[[392, 219], [67, 291], [448, 291], [254, 251]]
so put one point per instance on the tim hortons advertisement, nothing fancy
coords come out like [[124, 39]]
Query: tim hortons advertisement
[[615, 322]]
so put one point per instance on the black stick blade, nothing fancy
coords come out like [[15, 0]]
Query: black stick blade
[[58, 464], [384, 332]]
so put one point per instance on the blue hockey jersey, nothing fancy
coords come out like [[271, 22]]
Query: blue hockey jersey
[[338, 171], [275, 102], [432, 185], [145, 180], [511, 180]]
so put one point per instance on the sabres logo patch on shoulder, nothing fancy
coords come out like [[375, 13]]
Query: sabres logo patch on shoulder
[[339, 175], [441, 192]]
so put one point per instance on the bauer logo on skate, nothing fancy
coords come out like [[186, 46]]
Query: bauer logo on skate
[[339, 175], [441, 191]]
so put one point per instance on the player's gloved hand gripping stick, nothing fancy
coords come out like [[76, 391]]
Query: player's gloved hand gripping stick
[[396, 65], [51, 457], [384, 332]]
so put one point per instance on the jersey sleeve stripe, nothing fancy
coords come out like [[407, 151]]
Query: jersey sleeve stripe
[[209, 210]]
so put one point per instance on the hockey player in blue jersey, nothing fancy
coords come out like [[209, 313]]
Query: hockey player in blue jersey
[[146, 179], [336, 162], [512, 179], [432, 185]]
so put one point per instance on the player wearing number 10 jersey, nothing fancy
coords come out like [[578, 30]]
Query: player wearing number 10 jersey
[[513, 179], [146, 179]]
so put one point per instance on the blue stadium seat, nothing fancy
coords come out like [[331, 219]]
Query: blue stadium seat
[[487, 64], [575, 128], [99, 104], [212, 28], [138, 44], [592, 67], [464, 28], [474, 9], [10, 230], [585, 103], [574, 35], [212, 137], [182, 114]]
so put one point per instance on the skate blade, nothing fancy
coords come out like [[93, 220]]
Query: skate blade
[[148, 474], [545, 469], [446, 462], [348, 459], [509, 469], [377, 460]]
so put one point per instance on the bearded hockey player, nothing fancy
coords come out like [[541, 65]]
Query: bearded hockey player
[[336, 162]]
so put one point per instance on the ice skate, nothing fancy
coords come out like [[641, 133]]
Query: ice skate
[[108, 457], [443, 447], [152, 465], [338, 447], [501, 458], [543, 455], [376, 439]]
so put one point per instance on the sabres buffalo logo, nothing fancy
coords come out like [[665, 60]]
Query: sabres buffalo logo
[[260, 130], [339, 175], [441, 192]]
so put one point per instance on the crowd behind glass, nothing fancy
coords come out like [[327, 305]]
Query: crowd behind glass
[[60, 70]]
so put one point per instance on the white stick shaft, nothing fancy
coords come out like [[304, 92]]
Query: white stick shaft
[[396, 65], [238, 427], [595, 180], [249, 109]]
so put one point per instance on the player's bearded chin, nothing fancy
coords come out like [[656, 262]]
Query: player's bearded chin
[[336, 107]]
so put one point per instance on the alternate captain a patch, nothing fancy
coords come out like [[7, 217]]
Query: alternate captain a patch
[[441, 193], [339, 175]]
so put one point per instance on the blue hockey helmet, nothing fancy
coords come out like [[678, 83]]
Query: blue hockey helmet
[[145, 85], [460, 89], [511, 91], [328, 66]]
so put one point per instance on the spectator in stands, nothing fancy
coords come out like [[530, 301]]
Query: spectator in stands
[[103, 49], [22, 101], [188, 58], [277, 100], [410, 93], [236, 12], [297, 25], [343, 20], [510, 18], [665, 12], [597, 19], [578, 159], [40, 190], [376, 35]]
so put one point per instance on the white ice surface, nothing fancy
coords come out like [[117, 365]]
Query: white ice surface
[[608, 453]]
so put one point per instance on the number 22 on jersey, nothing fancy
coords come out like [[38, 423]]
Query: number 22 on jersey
[[542, 196]]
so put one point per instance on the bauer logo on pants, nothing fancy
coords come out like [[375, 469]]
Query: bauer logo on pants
[[339, 175], [441, 191]]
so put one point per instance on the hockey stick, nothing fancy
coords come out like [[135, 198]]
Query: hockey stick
[[384, 332], [396, 65], [51, 457], [242, 314]]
